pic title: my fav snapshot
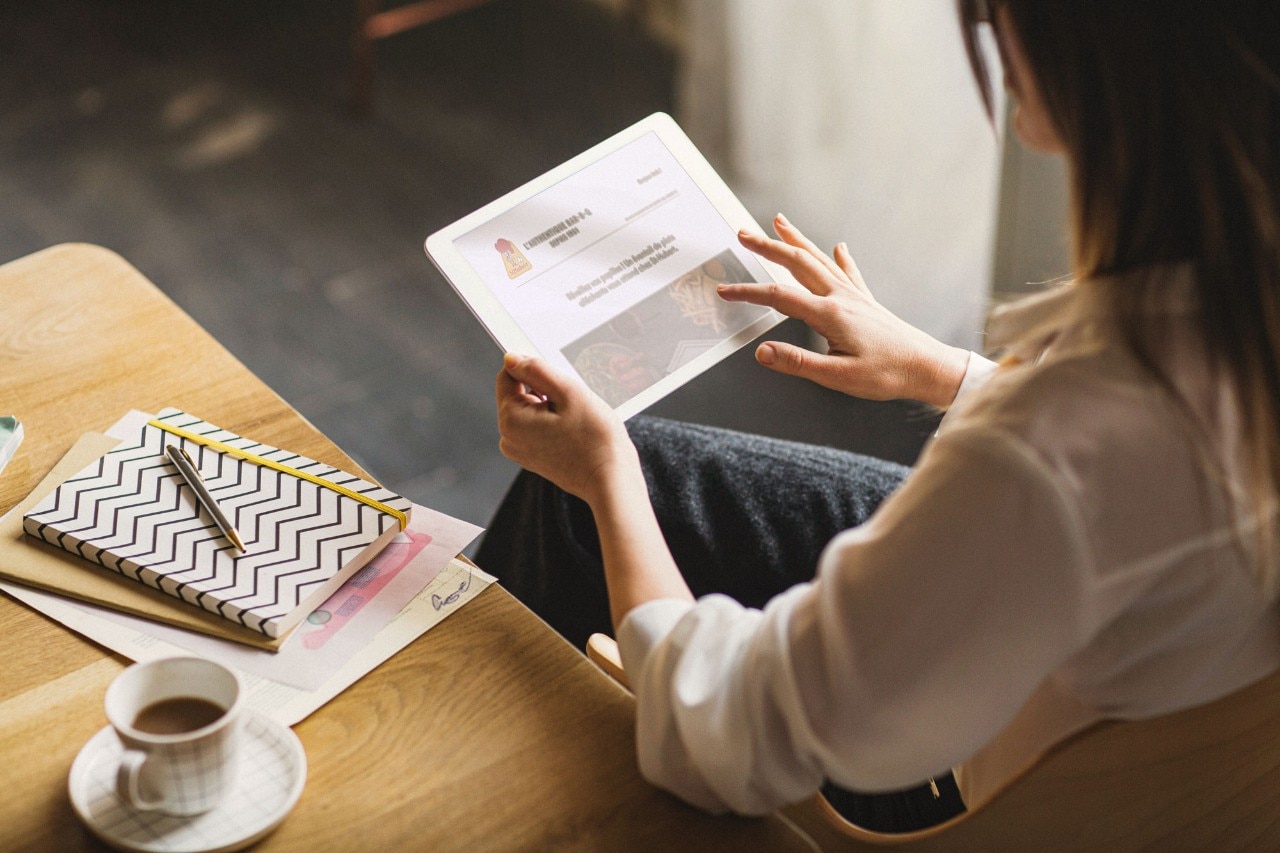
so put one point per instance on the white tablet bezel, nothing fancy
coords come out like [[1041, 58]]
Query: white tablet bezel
[[504, 328]]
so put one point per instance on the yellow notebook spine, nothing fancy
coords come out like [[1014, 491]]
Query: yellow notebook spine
[[222, 447]]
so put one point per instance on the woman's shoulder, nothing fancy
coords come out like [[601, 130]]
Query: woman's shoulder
[[1067, 372], [1092, 416], [1077, 392]]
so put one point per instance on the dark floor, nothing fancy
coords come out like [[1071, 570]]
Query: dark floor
[[207, 141]]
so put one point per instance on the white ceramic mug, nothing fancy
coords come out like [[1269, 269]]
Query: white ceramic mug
[[179, 752]]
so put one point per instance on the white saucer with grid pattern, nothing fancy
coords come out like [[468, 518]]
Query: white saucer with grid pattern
[[273, 770]]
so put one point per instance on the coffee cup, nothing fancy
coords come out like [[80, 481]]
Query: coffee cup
[[179, 722]]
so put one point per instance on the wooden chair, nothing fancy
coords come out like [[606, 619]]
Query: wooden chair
[[1207, 778]]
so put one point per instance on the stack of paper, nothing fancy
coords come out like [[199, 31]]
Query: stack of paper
[[307, 526], [406, 588]]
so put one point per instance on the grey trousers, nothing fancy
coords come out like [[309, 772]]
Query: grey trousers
[[742, 515]]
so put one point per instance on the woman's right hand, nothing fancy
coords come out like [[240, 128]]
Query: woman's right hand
[[553, 425], [871, 352]]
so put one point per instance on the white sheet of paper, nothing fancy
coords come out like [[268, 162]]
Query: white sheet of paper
[[450, 590], [324, 656], [346, 622]]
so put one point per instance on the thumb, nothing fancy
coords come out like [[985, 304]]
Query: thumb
[[536, 374], [797, 361]]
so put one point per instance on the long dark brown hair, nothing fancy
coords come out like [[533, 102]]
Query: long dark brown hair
[[1169, 111]]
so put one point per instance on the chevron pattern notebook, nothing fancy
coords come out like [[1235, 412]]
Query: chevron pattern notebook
[[307, 526]]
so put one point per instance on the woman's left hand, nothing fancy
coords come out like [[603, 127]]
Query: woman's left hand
[[554, 426]]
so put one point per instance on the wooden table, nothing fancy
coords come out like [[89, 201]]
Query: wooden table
[[488, 733]]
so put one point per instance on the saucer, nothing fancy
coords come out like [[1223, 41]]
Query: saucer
[[273, 769]]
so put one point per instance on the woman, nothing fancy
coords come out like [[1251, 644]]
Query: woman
[[1091, 534]]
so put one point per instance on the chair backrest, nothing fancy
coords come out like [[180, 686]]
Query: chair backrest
[[1206, 778]]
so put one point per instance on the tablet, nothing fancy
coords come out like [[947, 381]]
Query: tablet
[[607, 266]]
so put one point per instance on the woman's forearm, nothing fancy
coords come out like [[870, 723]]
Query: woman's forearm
[[637, 563], [552, 425]]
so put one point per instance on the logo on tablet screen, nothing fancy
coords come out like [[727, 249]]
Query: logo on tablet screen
[[516, 263]]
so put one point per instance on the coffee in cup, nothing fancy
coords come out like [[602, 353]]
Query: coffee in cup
[[179, 721]]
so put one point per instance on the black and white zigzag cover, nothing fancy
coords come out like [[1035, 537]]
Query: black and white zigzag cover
[[131, 512]]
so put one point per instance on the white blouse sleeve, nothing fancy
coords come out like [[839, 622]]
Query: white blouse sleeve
[[923, 633], [976, 373]]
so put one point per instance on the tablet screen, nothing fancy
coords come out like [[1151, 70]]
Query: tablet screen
[[611, 272]]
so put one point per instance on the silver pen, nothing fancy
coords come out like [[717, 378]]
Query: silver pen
[[187, 468]]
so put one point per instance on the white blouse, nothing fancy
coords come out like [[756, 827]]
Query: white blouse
[[1066, 549]]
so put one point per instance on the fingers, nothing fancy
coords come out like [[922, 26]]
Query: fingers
[[521, 406], [508, 387], [794, 237], [785, 358], [796, 361], [537, 376], [845, 261], [792, 301], [801, 263]]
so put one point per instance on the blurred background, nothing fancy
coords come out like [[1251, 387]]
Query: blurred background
[[276, 174]]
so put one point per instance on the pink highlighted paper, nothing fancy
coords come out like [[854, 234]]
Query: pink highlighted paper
[[355, 614], [363, 586]]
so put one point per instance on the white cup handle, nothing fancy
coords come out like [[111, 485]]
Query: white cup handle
[[127, 785]]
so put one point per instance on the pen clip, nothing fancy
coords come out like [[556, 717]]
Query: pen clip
[[203, 497], [187, 456]]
